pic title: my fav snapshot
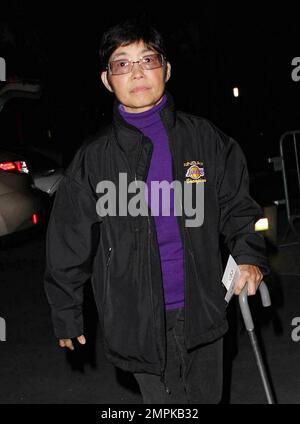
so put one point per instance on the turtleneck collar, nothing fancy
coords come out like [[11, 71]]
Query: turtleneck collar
[[145, 119], [127, 136], [167, 114]]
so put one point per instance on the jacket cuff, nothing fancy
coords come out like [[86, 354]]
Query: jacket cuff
[[261, 263], [67, 324]]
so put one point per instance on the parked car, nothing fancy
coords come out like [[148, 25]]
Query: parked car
[[12, 90], [21, 204], [28, 178], [46, 173]]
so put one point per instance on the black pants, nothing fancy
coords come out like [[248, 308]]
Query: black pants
[[194, 376]]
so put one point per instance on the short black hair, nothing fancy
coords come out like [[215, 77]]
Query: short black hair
[[130, 31]]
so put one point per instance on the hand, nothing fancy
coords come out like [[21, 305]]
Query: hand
[[250, 274], [69, 344]]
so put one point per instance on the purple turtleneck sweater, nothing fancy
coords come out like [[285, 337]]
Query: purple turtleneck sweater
[[167, 230]]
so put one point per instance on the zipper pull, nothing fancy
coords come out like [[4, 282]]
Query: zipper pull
[[163, 380], [109, 255]]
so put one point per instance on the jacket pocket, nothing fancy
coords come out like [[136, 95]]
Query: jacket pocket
[[107, 278], [136, 259], [136, 249]]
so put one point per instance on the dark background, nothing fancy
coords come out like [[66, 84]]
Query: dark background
[[212, 48]]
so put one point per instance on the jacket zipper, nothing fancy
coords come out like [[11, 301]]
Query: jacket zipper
[[162, 370], [180, 221], [162, 361], [136, 229]]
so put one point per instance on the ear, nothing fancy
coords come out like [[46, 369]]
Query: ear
[[106, 82], [168, 72]]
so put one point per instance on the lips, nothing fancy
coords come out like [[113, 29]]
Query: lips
[[139, 89]]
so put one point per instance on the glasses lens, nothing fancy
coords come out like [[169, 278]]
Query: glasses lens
[[152, 61], [118, 67]]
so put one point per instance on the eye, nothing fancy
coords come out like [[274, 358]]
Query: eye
[[149, 59], [120, 64]]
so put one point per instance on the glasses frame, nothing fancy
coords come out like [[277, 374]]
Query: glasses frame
[[132, 62]]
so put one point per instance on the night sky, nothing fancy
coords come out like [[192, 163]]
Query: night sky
[[211, 49]]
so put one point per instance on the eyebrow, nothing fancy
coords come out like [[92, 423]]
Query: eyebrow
[[125, 53]]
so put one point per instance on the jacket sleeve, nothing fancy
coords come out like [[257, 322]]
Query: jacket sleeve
[[238, 210], [70, 243]]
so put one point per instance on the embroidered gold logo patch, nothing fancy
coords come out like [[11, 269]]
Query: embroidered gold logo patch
[[195, 172]]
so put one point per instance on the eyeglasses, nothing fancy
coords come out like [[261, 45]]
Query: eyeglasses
[[125, 66]]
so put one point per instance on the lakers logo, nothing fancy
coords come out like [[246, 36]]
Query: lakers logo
[[195, 173]]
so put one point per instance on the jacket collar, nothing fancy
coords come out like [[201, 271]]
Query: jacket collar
[[127, 135]]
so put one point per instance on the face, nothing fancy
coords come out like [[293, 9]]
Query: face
[[140, 89]]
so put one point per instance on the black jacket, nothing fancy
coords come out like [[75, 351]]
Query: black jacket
[[121, 255]]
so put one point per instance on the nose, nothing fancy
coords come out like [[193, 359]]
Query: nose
[[137, 71]]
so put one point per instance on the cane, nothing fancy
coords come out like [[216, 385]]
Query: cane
[[266, 301]]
